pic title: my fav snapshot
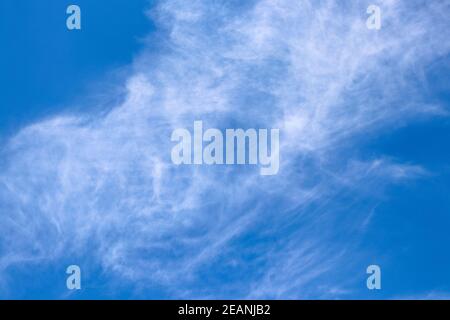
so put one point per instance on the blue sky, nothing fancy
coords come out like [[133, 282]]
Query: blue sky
[[85, 170]]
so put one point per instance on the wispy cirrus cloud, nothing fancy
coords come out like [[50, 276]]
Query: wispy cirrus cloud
[[104, 186]]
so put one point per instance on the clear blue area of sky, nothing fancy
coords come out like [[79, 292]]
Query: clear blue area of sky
[[46, 68]]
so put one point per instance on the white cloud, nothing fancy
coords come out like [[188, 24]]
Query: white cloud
[[105, 185]]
